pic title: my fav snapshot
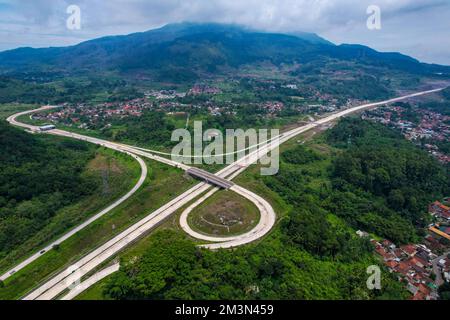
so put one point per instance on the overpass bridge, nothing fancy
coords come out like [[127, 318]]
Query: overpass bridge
[[210, 178]]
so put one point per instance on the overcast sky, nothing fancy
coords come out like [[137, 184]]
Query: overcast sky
[[419, 28]]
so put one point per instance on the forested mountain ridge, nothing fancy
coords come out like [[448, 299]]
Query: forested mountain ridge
[[196, 49]]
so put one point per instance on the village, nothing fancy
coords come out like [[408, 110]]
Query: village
[[423, 267], [199, 99], [424, 127]]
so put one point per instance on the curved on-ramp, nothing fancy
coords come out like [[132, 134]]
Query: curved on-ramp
[[265, 224]]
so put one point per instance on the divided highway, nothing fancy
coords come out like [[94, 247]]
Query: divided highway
[[61, 281], [239, 166], [77, 229]]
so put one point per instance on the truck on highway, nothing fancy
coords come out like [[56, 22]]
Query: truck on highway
[[47, 127]]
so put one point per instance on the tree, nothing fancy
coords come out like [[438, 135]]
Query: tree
[[444, 291]]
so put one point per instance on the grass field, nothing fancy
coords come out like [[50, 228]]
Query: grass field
[[94, 292], [224, 214]]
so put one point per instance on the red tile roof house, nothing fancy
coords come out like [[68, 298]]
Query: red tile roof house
[[409, 249], [433, 243], [438, 209], [419, 262], [402, 268], [447, 230], [420, 292], [387, 256], [423, 293], [391, 264], [399, 253]]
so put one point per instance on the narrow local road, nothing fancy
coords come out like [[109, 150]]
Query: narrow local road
[[439, 281]]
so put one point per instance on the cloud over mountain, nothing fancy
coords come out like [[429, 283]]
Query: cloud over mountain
[[416, 27]]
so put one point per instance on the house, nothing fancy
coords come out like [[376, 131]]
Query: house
[[417, 261], [446, 230], [439, 210], [392, 265], [402, 268], [433, 243], [388, 244], [409, 249], [399, 253], [413, 265], [439, 232], [422, 293], [447, 276]]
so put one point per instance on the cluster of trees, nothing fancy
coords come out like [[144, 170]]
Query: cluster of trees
[[174, 268], [365, 86], [13, 90], [310, 225], [370, 83], [440, 106], [444, 146], [248, 116], [444, 291], [311, 228], [409, 113], [37, 178], [301, 155], [152, 127], [381, 181], [378, 182]]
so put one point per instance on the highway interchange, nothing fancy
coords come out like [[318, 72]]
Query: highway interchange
[[59, 283]]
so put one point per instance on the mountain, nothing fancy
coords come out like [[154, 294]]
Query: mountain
[[190, 50]]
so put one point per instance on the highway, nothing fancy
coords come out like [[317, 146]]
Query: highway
[[267, 221], [105, 143], [210, 178], [122, 240], [80, 227], [59, 283], [91, 281]]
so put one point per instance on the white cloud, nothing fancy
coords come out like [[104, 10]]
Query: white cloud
[[416, 27]]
